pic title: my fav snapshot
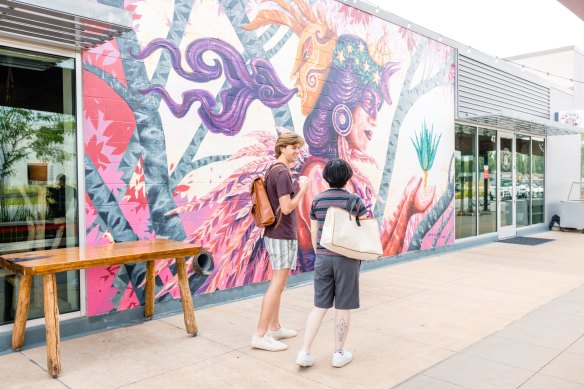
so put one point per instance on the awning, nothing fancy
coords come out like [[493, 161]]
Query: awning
[[515, 121], [77, 24]]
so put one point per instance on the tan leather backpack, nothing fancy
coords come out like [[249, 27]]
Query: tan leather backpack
[[261, 208]]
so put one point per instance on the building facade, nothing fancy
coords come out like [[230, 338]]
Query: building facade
[[158, 132]]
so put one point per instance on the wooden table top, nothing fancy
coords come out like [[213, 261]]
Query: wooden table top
[[74, 258]]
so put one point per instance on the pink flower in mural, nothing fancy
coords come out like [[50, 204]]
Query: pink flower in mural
[[354, 15], [130, 6], [107, 58], [410, 37], [136, 192], [95, 151]]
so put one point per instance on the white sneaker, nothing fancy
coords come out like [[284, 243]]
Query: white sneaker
[[267, 343], [282, 333], [341, 359], [304, 359]]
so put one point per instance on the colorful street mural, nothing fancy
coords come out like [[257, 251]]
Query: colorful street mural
[[182, 113]]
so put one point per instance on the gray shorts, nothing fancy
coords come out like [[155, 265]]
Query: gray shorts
[[283, 253], [336, 278]]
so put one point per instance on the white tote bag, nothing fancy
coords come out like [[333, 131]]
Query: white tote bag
[[346, 234]]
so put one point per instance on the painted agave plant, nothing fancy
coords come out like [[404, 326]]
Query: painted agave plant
[[426, 144]]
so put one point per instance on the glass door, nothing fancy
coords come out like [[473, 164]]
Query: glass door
[[506, 185]]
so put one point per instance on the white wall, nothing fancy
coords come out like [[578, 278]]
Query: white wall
[[560, 62], [579, 75], [562, 157], [562, 168]]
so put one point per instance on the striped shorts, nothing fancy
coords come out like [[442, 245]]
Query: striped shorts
[[283, 253]]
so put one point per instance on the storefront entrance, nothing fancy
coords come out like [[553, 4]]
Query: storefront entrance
[[499, 183]]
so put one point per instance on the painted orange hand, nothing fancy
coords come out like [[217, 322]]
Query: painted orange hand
[[414, 200]]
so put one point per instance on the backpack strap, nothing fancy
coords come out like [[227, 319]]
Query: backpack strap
[[270, 169]]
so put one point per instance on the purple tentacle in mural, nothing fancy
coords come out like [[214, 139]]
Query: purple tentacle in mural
[[202, 73], [261, 84]]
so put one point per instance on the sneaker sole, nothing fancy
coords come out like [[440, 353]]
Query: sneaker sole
[[344, 364], [303, 364], [268, 348], [280, 337]]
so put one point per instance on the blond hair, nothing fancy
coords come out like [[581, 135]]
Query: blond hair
[[287, 139]]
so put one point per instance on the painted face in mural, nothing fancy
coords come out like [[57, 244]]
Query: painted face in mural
[[364, 120]]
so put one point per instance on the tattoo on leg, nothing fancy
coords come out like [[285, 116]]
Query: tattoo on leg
[[341, 330]]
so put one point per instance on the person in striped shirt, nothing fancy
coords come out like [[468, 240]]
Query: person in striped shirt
[[336, 277]]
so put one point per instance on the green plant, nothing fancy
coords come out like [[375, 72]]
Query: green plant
[[24, 132], [18, 213], [426, 145]]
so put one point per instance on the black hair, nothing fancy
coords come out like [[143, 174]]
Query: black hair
[[337, 172]]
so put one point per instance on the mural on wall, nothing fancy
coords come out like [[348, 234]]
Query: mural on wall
[[182, 115]]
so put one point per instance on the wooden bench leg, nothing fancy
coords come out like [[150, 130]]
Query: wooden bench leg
[[21, 312], [52, 325], [149, 293], [185, 295]]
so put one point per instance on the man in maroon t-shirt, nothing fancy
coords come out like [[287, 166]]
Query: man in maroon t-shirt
[[281, 240]]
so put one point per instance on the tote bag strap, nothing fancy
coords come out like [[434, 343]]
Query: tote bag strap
[[351, 204]]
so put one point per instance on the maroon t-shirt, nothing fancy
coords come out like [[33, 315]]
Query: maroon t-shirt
[[278, 184]]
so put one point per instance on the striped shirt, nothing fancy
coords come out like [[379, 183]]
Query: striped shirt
[[322, 202]]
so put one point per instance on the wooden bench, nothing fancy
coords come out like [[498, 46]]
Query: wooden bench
[[49, 262]]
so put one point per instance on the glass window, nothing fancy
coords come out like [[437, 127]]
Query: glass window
[[537, 180], [465, 181], [522, 180], [487, 163], [38, 169]]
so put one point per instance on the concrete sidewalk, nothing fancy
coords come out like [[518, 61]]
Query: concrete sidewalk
[[493, 316]]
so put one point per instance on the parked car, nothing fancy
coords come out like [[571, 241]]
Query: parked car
[[522, 191], [536, 190], [504, 191]]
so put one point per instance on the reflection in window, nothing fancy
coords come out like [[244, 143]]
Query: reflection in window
[[537, 180], [522, 180], [38, 169], [465, 181], [487, 163]]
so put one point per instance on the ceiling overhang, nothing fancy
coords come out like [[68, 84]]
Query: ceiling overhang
[[77, 24], [514, 121]]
